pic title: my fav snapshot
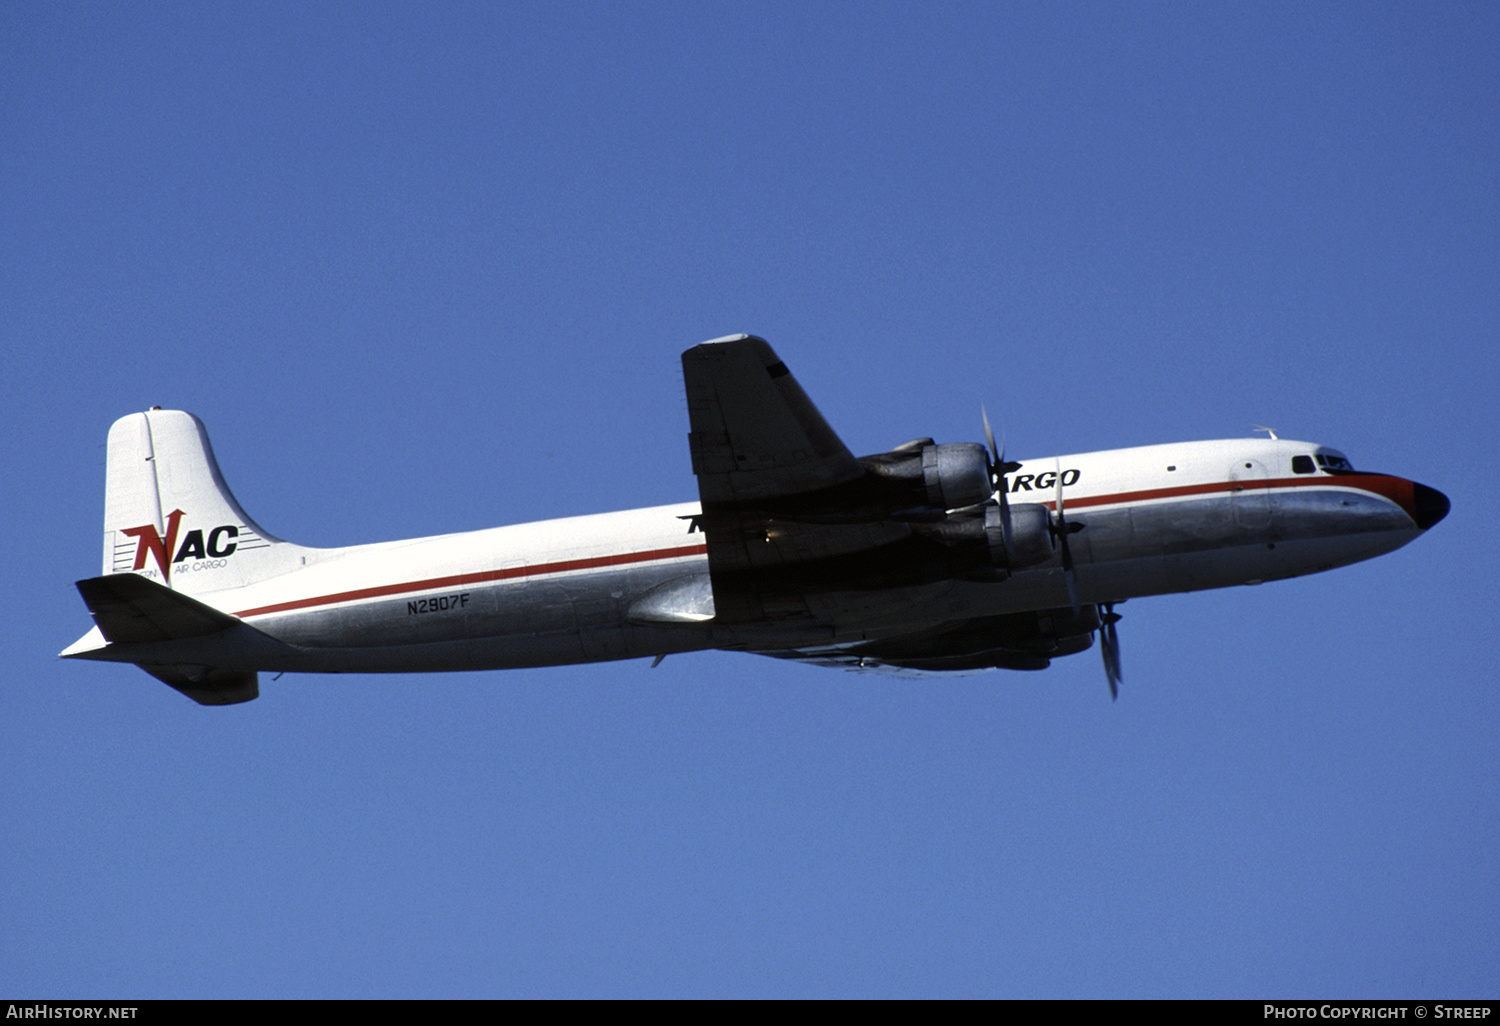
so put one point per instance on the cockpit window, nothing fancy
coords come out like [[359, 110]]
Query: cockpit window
[[1302, 465], [1334, 463]]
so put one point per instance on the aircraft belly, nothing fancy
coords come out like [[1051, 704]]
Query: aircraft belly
[[494, 625]]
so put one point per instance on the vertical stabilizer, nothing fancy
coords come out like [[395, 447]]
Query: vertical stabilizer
[[169, 516]]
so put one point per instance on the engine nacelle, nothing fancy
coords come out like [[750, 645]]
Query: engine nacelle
[[1031, 539], [938, 477], [956, 474], [1016, 641]]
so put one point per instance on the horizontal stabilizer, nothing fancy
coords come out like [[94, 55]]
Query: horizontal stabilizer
[[129, 607]]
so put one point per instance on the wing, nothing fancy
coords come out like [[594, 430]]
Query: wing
[[756, 435], [782, 495]]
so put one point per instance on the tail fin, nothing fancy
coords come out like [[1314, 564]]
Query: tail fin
[[169, 516]]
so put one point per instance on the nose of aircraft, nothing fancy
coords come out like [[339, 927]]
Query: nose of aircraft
[[1431, 505]]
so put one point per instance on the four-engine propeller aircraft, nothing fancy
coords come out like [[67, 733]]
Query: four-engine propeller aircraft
[[925, 559]]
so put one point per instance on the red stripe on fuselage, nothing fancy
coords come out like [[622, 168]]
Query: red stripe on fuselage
[[1396, 489], [483, 576]]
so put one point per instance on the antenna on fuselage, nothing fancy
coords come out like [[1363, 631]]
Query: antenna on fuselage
[[1269, 431]]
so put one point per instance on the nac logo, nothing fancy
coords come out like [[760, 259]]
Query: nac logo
[[219, 543]]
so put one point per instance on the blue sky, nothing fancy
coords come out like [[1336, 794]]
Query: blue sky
[[429, 269]]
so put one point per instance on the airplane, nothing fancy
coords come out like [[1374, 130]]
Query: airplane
[[926, 560]]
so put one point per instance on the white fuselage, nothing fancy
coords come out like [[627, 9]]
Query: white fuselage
[[1157, 519]]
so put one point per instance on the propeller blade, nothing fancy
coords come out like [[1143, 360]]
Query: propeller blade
[[1109, 647], [998, 469], [1063, 530], [1058, 503], [999, 465]]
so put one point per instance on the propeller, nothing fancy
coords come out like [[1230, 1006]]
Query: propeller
[[1060, 530], [999, 467], [1109, 646], [1109, 638]]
